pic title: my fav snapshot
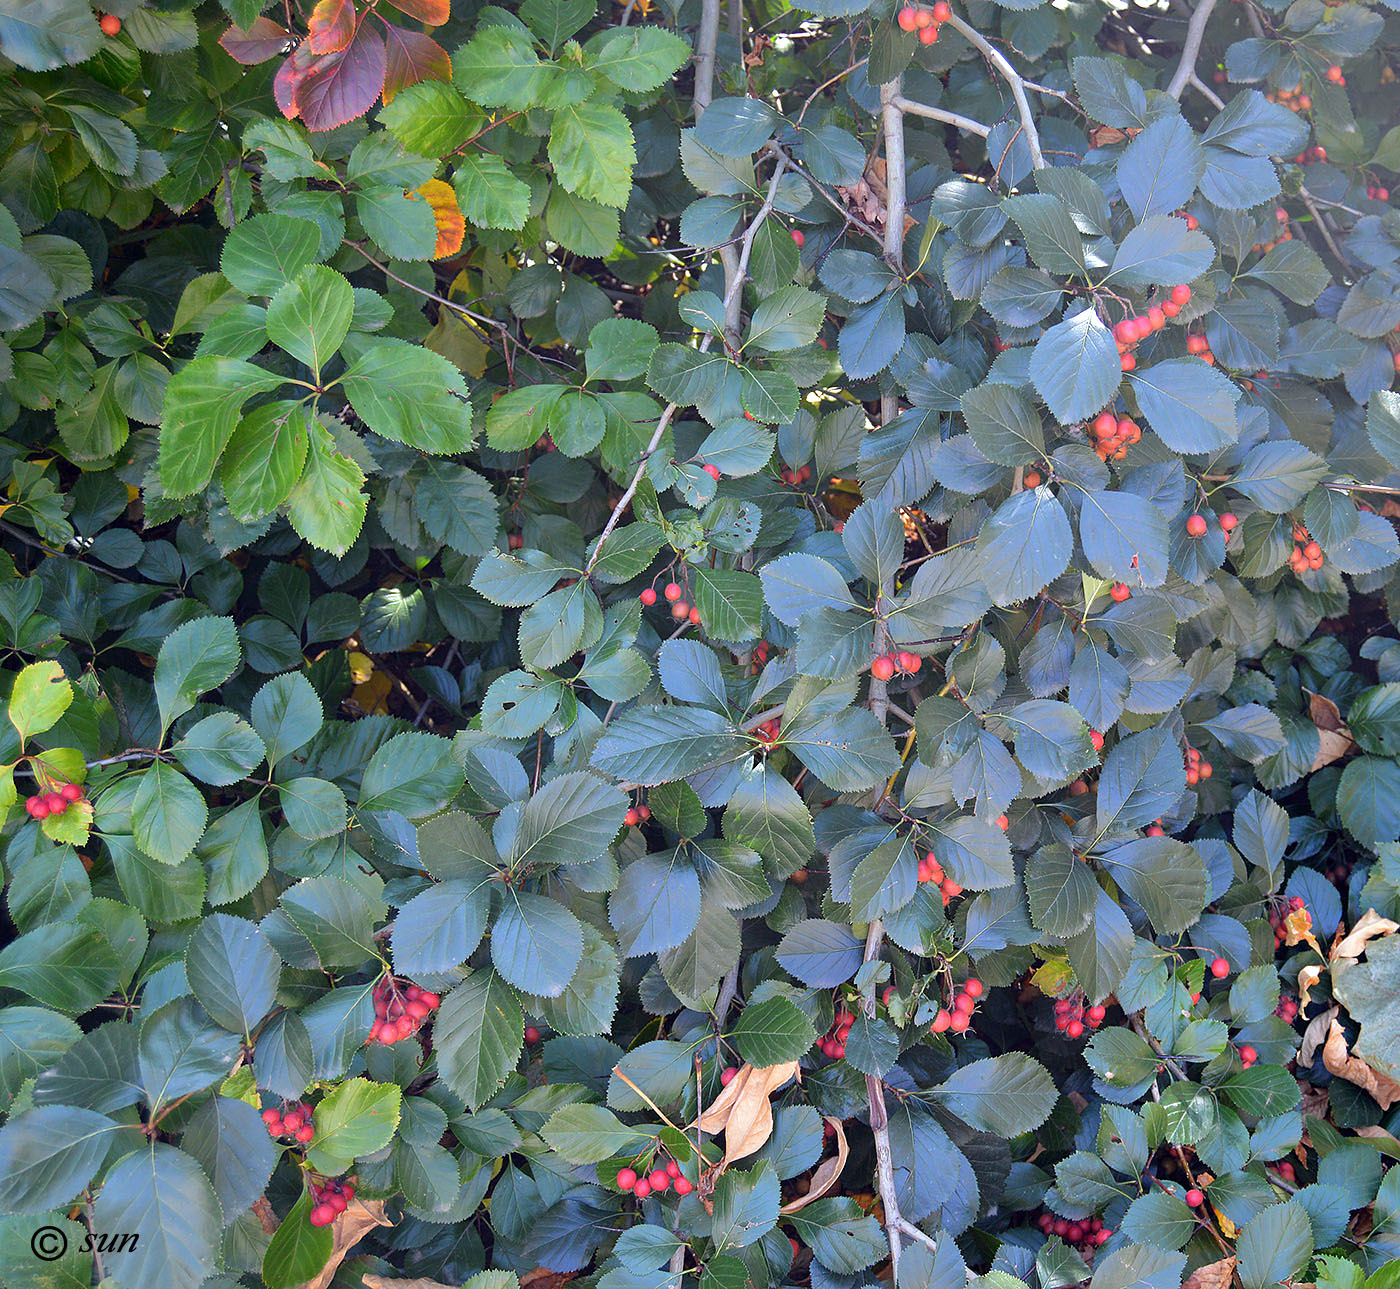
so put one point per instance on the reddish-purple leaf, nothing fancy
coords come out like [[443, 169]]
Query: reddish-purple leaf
[[331, 26], [413, 57], [284, 84], [339, 87], [262, 40], [432, 12]]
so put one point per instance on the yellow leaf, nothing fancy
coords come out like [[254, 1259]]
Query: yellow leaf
[[361, 666], [451, 227]]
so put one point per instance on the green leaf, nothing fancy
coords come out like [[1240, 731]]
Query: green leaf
[[1075, 367], [1190, 406], [1004, 424], [67, 965], [1006, 1095], [48, 1155], [1163, 875], [787, 319], [498, 67], [1061, 891], [478, 1035], [411, 395], [1159, 170], [61, 33], [264, 252], [536, 943], [746, 1206], [1161, 251], [489, 193], [355, 1120], [264, 458], [326, 506], [591, 149], [312, 807], [287, 713], [773, 1032], [655, 744], [1274, 1245], [233, 970], [571, 820], [1368, 800], [39, 697], [297, 1251], [310, 315], [162, 1193], [439, 929], [637, 58], [202, 406], [168, 814], [195, 658], [413, 773], [1052, 240], [335, 917], [1024, 546], [588, 1134]]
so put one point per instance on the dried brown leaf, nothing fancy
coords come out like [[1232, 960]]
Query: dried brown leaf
[[1369, 926], [743, 1111], [1297, 926], [348, 1230], [1307, 978], [1334, 738], [827, 1172], [383, 1282], [1214, 1275], [1340, 1062], [1314, 1036]]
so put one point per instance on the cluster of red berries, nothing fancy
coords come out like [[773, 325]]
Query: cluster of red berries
[[1199, 346], [767, 733], [1294, 100], [1286, 1171], [1196, 769], [1113, 435], [796, 478], [833, 1042], [329, 1201], [959, 1018], [930, 870], [1311, 156], [1378, 194], [1307, 554], [1119, 592], [885, 666], [1276, 917], [1197, 525], [759, 657], [661, 1179], [924, 21], [399, 1013], [1287, 1010], [110, 24], [294, 1122], [680, 610], [1155, 829], [1131, 331], [1087, 1234], [1334, 74], [637, 814], [56, 802], [1072, 1017], [1247, 1055], [1285, 234]]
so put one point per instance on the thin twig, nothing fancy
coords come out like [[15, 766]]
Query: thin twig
[[1321, 224], [880, 1125], [923, 1237], [706, 43], [1013, 78], [1207, 93], [966, 123], [1190, 48]]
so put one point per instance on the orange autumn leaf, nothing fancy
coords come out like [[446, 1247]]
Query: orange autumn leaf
[[451, 227], [331, 26]]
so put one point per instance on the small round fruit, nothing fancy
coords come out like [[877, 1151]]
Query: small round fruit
[[322, 1215], [693, 617], [673, 591], [292, 1121], [1195, 1197], [973, 987], [1219, 968], [882, 668], [684, 1186], [960, 1022], [642, 1189], [1105, 425], [799, 237], [648, 597], [908, 17], [1097, 1013], [942, 11], [1096, 738], [532, 1035], [56, 803], [1181, 294], [1248, 1055], [271, 1116], [110, 24], [1120, 592], [631, 819], [305, 1133], [928, 35], [728, 1075], [942, 1021], [713, 470], [626, 1179], [1127, 362], [1228, 522], [429, 999], [659, 1178], [1196, 526], [1075, 1029], [965, 1004], [673, 1169], [1032, 478], [1003, 822], [680, 609], [71, 792]]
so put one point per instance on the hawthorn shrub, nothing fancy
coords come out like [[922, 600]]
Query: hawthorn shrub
[[670, 646]]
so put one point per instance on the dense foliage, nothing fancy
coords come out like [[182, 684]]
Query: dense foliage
[[673, 646]]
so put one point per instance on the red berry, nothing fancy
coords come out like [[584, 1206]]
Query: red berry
[[71, 792], [429, 999], [1119, 591], [1219, 968], [1248, 1055], [882, 668], [673, 591], [942, 11], [942, 1021], [110, 24], [56, 804], [727, 1075], [631, 819], [659, 1178], [973, 988], [1003, 822], [532, 1035], [648, 597], [712, 471], [292, 1121], [1127, 362], [965, 1004], [1195, 1198], [928, 35], [1228, 522], [642, 1189], [959, 1022], [1181, 294], [322, 1215], [683, 1186], [907, 18], [680, 609], [626, 1179], [1196, 526], [1097, 1013], [693, 617], [1074, 1029], [1096, 738], [305, 1133], [798, 236], [673, 1169]]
